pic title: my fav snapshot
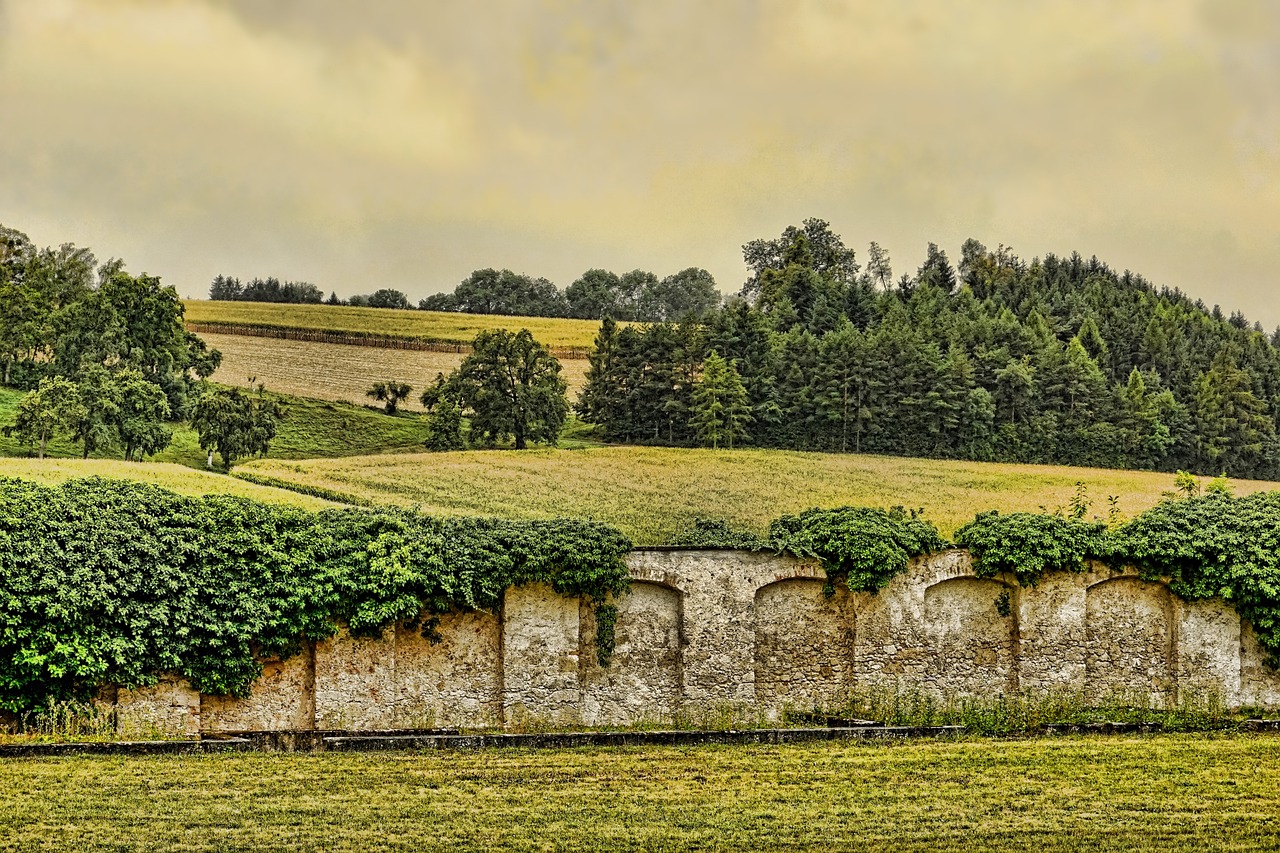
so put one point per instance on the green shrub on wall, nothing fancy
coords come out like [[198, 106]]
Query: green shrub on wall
[[111, 582], [1027, 545], [863, 547], [1215, 546]]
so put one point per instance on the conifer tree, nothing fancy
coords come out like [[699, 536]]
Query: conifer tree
[[720, 409]]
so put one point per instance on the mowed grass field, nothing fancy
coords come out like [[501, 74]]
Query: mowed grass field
[[423, 325], [651, 493], [341, 372], [1155, 793]]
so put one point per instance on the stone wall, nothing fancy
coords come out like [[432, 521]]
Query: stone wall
[[706, 632]]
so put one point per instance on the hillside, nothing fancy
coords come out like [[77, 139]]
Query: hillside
[[337, 372], [311, 428], [651, 493], [175, 478], [445, 327]]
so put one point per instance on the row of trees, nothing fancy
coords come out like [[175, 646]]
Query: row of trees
[[230, 289], [107, 360], [597, 293], [636, 295], [1060, 360]]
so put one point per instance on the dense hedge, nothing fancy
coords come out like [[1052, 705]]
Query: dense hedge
[[1027, 544], [112, 582]]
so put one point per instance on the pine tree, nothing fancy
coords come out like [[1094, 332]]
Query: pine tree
[[720, 409]]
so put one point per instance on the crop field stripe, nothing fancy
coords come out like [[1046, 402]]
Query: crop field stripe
[[1165, 793], [563, 333], [288, 333], [328, 371]]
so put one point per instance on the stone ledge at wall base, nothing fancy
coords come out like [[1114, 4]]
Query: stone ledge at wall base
[[717, 639], [419, 741]]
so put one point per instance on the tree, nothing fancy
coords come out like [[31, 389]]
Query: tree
[[225, 287], [234, 424], [720, 409], [141, 415], [879, 268], [97, 413], [690, 292], [388, 298], [439, 302], [828, 255], [598, 401], [491, 291], [45, 411], [390, 393], [595, 295], [444, 427], [511, 387]]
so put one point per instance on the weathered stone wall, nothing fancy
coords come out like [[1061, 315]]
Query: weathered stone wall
[[713, 631]]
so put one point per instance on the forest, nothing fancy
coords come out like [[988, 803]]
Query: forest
[[1054, 360]]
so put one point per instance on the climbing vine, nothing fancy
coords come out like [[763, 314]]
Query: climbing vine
[[1027, 545], [864, 547], [112, 582]]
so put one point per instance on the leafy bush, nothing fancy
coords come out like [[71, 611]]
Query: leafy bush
[[1028, 544], [1214, 546], [864, 547], [112, 582]]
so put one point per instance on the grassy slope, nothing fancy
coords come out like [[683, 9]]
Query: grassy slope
[[429, 325], [175, 478], [312, 428], [1160, 793], [339, 372], [651, 492]]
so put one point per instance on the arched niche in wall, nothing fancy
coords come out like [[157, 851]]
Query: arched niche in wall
[[1129, 640], [971, 636], [643, 678], [804, 644]]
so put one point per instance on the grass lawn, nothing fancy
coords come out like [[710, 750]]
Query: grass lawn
[[649, 493], [311, 428], [426, 325], [1157, 793]]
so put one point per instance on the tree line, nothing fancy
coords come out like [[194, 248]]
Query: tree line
[[107, 361], [1056, 360], [598, 293], [227, 288]]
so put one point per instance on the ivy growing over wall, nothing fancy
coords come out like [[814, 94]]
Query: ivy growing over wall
[[112, 582], [1027, 545], [864, 547]]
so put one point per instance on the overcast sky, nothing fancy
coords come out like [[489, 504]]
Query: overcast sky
[[404, 144]]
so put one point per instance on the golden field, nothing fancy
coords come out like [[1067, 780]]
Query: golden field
[[422, 325], [167, 475], [650, 493], [340, 372]]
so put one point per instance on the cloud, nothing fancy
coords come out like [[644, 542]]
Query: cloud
[[404, 144]]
